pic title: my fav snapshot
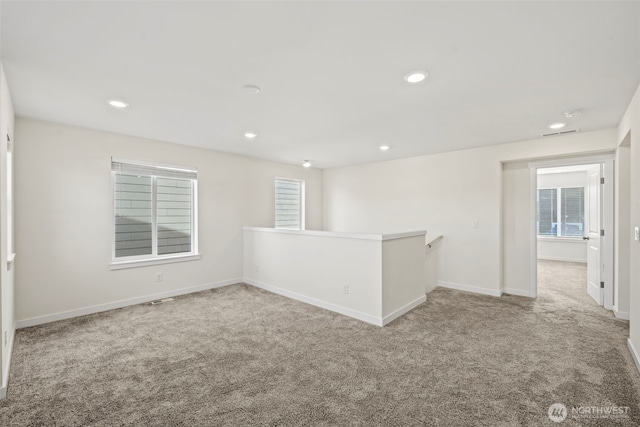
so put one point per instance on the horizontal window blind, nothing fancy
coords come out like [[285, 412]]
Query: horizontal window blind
[[174, 216], [134, 215], [572, 208], [561, 212], [547, 211], [288, 204], [163, 171]]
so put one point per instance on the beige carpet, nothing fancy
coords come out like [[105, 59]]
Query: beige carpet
[[241, 356]]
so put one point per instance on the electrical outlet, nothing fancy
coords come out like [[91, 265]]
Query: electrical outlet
[[158, 277], [257, 269], [345, 289], [6, 338], [475, 224], [637, 234]]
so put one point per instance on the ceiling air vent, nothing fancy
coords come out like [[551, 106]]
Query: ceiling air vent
[[564, 132]]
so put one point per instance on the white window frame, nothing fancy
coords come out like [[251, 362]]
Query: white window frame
[[10, 201], [153, 258], [559, 213], [302, 203]]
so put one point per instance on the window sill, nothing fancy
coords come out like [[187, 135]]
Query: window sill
[[119, 265], [561, 239]]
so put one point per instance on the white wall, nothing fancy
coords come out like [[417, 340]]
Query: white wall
[[563, 179], [564, 249], [516, 229], [445, 193], [572, 250], [317, 268], [623, 231], [629, 131], [431, 264], [7, 289], [403, 275], [65, 208], [384, 274]]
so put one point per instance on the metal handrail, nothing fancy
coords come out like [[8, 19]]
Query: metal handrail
[[430, 242]]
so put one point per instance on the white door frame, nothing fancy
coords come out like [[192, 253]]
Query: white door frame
[[607, 243], [606, 275], [594, 193]]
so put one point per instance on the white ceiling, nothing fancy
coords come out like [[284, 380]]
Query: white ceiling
[[331, 72]]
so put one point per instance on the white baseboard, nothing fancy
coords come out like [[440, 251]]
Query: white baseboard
[[517, 292], [318, 303], [621, 314], [402, 310], [33, 321], [469, 288], [6, 370], [634, 353], [553, 258]]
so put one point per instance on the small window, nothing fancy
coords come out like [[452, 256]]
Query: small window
[[561, 212], [289, 204], [154, 212], [10, 201]]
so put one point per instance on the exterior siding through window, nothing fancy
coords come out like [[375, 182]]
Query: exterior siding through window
[[289, 204], [153, 211]]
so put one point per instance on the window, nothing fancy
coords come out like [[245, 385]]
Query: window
[[547, 211], [561, 212], [289, 204], [154, 213], [10, 233]]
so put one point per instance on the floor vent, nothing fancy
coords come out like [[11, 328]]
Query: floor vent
[[564, 132], [160, 301]]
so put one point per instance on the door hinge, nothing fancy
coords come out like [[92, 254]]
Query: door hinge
[[602, 284], [601, 180], [602, 232]]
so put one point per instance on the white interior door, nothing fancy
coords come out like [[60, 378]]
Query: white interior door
[[593, 236]]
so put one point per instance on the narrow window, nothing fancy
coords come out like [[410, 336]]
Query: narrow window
[[289, 203], [10, 248], [154, 211]]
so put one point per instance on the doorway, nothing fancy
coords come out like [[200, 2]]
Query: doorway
[[573, 221]]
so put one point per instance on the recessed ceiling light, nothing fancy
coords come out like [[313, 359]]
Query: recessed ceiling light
[[118, 103], [306, 164], [416, 76], [250, 135], [251, 88], [558, 125], [383, 147], [570, 114]]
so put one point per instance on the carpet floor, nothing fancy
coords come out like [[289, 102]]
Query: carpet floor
[[239, 356]]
